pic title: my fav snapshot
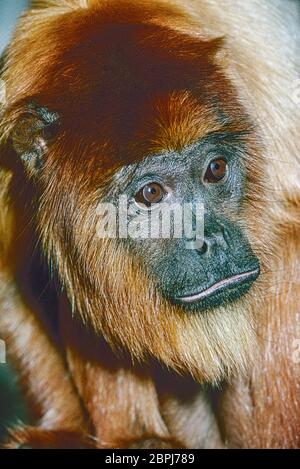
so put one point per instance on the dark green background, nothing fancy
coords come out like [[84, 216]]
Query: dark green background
[[12, 410]]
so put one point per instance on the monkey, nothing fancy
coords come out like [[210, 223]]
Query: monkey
[[120, 342]]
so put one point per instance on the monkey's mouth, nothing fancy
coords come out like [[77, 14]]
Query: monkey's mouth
[[230, 288]]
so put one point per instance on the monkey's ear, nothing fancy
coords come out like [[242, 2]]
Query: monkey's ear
[[33, 131]]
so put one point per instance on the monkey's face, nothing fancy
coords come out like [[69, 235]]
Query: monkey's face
[[163, 126], [183, 297], [184, 222]]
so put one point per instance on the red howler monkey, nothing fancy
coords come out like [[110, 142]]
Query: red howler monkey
[[164, 102]]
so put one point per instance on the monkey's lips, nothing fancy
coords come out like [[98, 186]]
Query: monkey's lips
[[225, 290]]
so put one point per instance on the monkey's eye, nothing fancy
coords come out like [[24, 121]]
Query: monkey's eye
[[216, 171], [151, 193]]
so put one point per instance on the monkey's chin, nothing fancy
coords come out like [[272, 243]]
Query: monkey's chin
[[219, 294]]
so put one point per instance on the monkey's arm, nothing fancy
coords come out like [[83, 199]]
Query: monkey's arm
[[122, 404], [132, 406], [121, 400], [42, 374]]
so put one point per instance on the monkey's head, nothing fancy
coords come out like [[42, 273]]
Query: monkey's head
[[118, 102]]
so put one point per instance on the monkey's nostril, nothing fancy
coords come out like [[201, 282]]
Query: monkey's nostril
[[204, 248]]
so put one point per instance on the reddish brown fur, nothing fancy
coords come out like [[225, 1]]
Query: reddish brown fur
[[150, 98]]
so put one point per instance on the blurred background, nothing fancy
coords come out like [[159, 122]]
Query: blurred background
[[9, 12], [12, 410]]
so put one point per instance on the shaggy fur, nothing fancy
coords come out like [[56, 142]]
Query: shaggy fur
[[129, 79]]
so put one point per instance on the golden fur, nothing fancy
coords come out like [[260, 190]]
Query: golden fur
[[251, 340]]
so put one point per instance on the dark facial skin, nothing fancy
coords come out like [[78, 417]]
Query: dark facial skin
[[224, 267]]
